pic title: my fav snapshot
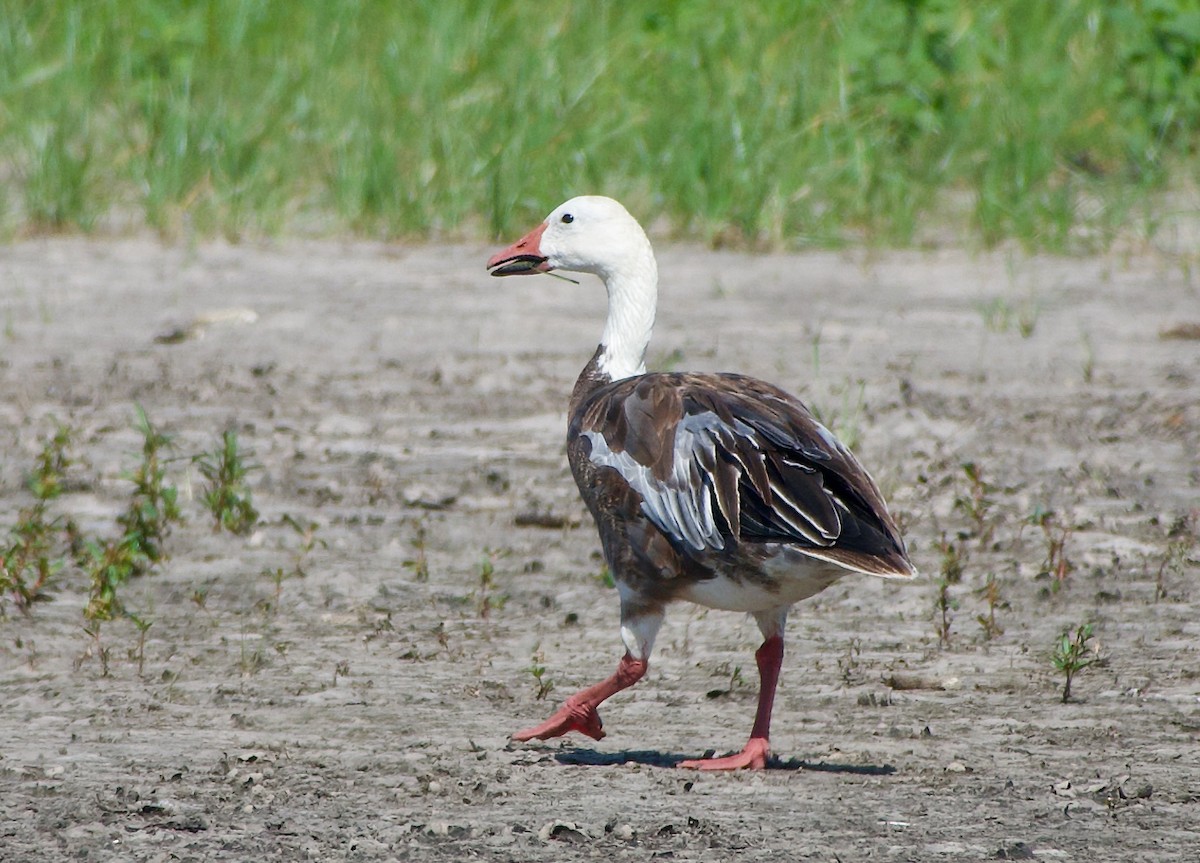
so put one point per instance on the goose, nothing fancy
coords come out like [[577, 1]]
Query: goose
[[718, 489]]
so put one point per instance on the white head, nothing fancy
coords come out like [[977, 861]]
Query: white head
[[588, 234], [592, 234]]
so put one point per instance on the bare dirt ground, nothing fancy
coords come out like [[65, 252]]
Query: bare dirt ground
[[413, 409]]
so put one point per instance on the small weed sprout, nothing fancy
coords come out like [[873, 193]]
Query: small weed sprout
[[604, 577], [952, 565], [997, 314], [1056, 565], [92, 631], [1072, 654], [29, 557], [976, 503], [486, 572], [850, 663], [145, 524], [225, 493], [109, 564], [1173, 560], [340, 669], [735, 680], [1089, 358], [990, 593], [419, 563], [46, 481], [139, 653], [308, 542], [250, 662], [487, 584], [154, 506], [1027, 317], [1000, 315], [1182, 538], [27, 560], [537, 670], [200, 597]]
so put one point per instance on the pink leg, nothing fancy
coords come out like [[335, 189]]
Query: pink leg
[[579, 713], [754, 756]]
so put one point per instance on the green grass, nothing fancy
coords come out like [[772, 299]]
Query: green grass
[[774, 123]]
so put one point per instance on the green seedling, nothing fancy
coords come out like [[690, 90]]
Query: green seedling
[[1173, 560], [1000, 315], [1182, 538], [1056, 564], [139, 653], [997, 314], [1089, 357], [537, 669], [486, 601], [308, 542], [277, 576], [200, 597], [990, 592], [604, 577], [735, 681], [225, 492], [419, 563], [31, 555], [28, 561], [250, 662], [97, 648], [154, 506], [46, 480], [951, 572], [1027, 317], [108, 564], [1072, 654], [977, 502]]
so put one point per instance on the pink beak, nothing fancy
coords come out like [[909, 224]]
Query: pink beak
[[522, 257]]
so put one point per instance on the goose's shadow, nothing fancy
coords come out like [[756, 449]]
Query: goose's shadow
[[654, 758]]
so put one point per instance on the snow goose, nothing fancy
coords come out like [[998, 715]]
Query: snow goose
[[718, 489]]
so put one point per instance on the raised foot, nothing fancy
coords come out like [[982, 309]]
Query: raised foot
[[570, 717], [753, 757]]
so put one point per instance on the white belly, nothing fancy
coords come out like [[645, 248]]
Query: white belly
[[793, 584]]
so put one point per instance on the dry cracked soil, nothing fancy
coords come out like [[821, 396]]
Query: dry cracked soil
[[340, 684]]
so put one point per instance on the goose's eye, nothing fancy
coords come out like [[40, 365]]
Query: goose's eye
[[567, 218]]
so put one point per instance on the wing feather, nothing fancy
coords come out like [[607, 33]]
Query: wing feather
[[721, 458]]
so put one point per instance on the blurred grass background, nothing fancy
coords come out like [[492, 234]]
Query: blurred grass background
[[770, 123]]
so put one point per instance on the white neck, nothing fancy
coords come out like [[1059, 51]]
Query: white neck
[[632, 298]]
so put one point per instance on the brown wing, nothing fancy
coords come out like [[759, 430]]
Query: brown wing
[[726, 459]]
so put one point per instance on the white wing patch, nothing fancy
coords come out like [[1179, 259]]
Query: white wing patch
[[682, 505]]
